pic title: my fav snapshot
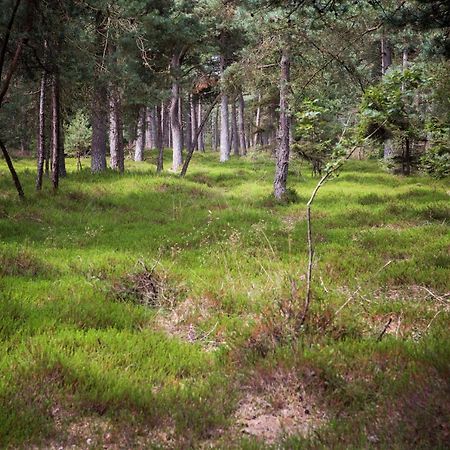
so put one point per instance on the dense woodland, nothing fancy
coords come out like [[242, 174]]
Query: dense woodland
[[224, 224]]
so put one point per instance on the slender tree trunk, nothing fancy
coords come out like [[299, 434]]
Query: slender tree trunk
[[201, 136], [224, 130], [41, 133], [56, 131], [188, 138], [62, 156], [150, 128], [177, 158], [13, 172], [140, 136], [195, 138], [194, 123], [241, 124], [386, 56], [181, 120], [257, 137], [234, 128], [99, 107], [386, 61], [159, 138], [282, 154], [116, 131]]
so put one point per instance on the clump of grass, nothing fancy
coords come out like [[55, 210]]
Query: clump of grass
[[147, 287]]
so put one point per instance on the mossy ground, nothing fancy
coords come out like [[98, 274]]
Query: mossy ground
[[72, 350]]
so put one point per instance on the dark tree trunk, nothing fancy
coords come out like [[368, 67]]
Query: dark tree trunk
[[159, 139], [13, 172], [282, 154], [386, 55], [116, 149], [56, 131], [140, 136], [99, 108], [99, 129], [241, 124], [41, 133]]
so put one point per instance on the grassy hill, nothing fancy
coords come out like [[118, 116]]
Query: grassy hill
[[145, 311]]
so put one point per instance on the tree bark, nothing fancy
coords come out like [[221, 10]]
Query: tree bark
[[257, 137], [99, 128], [188, 129], [116, 131], [195, 138], [56, 131], [140, 136], [241, 124], [41, 132], [99, 109], [13, 172], [386, 61], [150, 127], [201, 139], [177, 146], [159, 138], [194, 123], [386, 55], [234, 128], [282, 153], [224, 131]]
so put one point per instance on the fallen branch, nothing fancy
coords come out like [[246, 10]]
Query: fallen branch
[[383, 332], [14, 175]]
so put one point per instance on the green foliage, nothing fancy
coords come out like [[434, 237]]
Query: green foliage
[[77, 134], [387, 107], [436, 160]]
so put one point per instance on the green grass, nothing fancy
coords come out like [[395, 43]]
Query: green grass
[[220, 246]]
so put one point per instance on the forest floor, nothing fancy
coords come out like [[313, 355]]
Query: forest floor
[[145, 311]]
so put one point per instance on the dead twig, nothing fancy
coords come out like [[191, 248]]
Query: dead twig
[[386, 326]]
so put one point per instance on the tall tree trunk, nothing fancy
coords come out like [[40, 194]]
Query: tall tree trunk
[[188, 127], [99, 129], [99, 106], [151, 120], [180, 119], [234, 128], [41, 132], [194, 123], [56, 130], [386, 55], [140, 136], [159, 138], [201, 136], [386, 61], [257, 136], [177, 146], [224, 130], [241, 124], [116, 131], [282, 154], [62, 156]]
